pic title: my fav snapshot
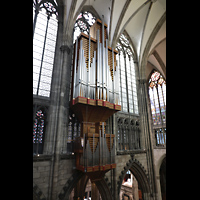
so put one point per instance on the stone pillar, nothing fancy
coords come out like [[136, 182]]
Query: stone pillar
[[63, 112], [158, 187], [56, 133], [146, 140], [135, 189], [49, 142]]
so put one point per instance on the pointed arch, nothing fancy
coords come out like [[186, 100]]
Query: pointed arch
[[137, 169], [157, 98], [69, 30], [102, 186], [45, 27], [161, 161]]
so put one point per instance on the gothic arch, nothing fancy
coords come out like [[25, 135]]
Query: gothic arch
[[162, 175], [160, 161], [69, 30], [70, 184], [102, 186], [152, 71], [37, 193], [137, 169]]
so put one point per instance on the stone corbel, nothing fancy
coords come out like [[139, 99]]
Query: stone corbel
[[64, 48]]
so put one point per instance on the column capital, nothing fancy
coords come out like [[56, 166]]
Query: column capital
[[64, 48], [142, 81]]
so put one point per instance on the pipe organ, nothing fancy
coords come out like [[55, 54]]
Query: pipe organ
[[95, 67], [94, 98]]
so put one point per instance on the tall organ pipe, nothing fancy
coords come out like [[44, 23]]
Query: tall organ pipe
[[98, 55], [75, 64], [103, 59], [113, 83]]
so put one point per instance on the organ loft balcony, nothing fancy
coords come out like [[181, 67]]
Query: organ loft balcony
[[94, 98]]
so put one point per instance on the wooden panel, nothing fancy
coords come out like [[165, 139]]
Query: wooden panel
[[86, 50], [95, 140], [98, 26], [110, 60]]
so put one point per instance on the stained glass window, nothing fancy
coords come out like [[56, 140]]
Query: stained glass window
[[74, 130], [127, 82], [38, 127], [83, 23], [38, 131], [44, 40], [157, 96]]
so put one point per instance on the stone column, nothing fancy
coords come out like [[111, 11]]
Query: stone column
[[135, 189], [146, 140], [49, 142], [63, 112], [158, 187], [56, 137]]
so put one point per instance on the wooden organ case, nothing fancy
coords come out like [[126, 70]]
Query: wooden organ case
[[94, 98]]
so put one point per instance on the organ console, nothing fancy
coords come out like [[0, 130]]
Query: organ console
[[94, 98]]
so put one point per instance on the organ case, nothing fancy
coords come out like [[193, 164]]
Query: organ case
[[94, 98]]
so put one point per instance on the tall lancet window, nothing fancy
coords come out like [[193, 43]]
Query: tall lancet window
[[157, 95], [44, 41], [127, 82]]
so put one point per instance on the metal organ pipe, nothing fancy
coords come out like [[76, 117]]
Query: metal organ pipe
[[82, 72], [93, 77], [103, 58], [113, 83], [98, 55], [117, 84], [88, 88], [79, 69], [96, 81], [100, 71], [106, 68], [75, 64]]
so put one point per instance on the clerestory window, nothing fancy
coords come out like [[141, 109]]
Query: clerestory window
[[127, 82], [44, 41], [157, 96]]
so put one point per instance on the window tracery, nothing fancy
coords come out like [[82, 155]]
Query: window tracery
[[128, 134], [127, 81], [38, 127], [45, 24], [39, 123], [83, 23], [74, 130], [157, 96]]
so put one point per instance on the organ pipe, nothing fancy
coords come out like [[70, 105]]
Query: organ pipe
[[96, 73], [95, 98]]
